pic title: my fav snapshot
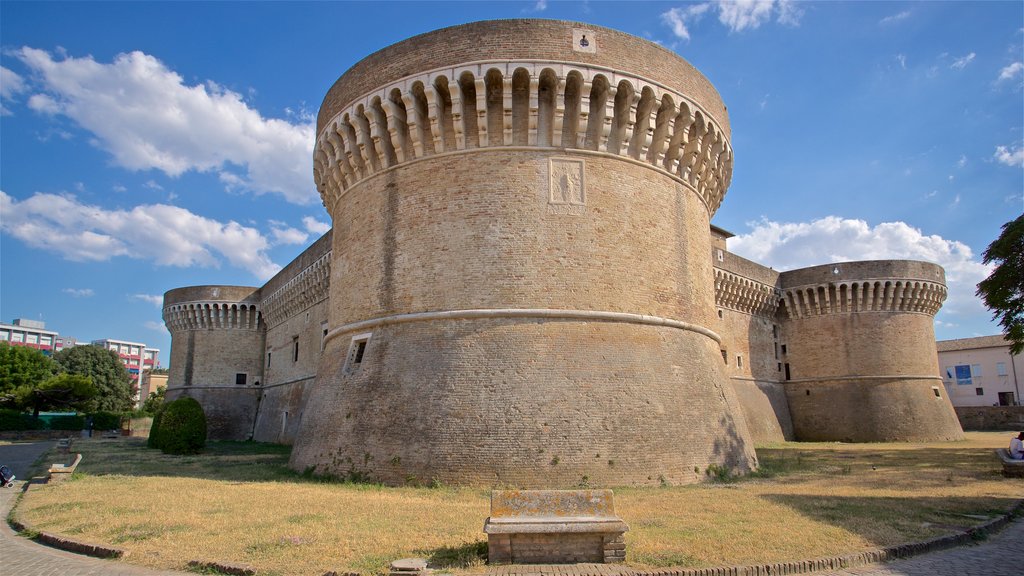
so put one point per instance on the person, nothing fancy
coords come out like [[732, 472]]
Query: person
[[1017, 447]]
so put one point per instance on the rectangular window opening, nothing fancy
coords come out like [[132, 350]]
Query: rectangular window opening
[[783, 349], [979, 391], [725, 356], [295, 349], [1001, 368], [739, 361], [356, 352], [787, 370], [935, 390], [241, 378]]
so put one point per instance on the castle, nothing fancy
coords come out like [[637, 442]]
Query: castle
[[523, 286]]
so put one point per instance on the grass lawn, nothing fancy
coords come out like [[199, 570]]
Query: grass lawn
[[239, 503]]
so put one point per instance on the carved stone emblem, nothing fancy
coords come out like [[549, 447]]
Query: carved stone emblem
[[566, 185]]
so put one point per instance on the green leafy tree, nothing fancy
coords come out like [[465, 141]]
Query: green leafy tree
[[1003, 290], [108, 374], [63, 392], [22, 369], [155, 400]]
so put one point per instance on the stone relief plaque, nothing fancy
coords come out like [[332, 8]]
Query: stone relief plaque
[[566, 185]]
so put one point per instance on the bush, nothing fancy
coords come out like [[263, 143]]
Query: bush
[[153, 441], [70, 422], [15, 420], [182, 427], [106, 421]]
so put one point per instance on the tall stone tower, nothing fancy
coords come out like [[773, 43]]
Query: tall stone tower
[[520, 288]]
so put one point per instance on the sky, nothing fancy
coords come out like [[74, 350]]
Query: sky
[[148, 146]]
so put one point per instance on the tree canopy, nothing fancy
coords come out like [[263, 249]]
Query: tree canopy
[[63, 392], [107, 372], [1003, 290], [21, 370]]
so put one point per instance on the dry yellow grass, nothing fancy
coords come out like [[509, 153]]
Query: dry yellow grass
[[239, 504]]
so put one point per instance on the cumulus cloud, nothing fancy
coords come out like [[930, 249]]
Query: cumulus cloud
[[895, 18], [962, 62], [80, 292], [736, 15], [147, 117], [154, 299], [11, 84], [155, 326], [1010, 71], [165, 235], [790, 245], [284, 234], [1011, 156], [314, 226]]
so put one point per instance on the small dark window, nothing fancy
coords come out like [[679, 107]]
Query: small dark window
[[935, 390], [356, 351], [295, 350], [787, 370], [776, 350], [720, 314], [808, 392], [357, 358], [268, 359], [780, 367], [979, 391], [783, 348], [725, 357], [775, 330], [240, 378]]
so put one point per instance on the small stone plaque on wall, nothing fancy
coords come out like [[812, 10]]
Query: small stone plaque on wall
[[567, 192]]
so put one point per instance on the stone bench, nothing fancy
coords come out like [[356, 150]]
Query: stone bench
[[61, 472], [1011, 468], [554, 527]]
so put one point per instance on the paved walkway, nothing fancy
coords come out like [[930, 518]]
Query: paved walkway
[[1000, 555]]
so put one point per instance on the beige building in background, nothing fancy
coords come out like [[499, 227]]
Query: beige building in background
[[981, 371]]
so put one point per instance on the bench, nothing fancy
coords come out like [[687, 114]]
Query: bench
[[1011, 468], [61, 472], [112, 434], [554, 527], [64, 445]]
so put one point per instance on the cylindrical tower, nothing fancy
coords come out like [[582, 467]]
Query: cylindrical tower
[[860, 352], [520, 288], [217, 341]]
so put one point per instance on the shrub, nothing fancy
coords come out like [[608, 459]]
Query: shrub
[[69, 422], [182, 428], [16, 420], [153, 441], [106, 421]]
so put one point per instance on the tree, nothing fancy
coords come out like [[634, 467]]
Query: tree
[[22, 369], [1003, 290], [108, 374], [63, 392], [155, 400]]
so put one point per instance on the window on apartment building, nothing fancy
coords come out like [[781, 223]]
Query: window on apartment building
[[240, 378], [18, 337], [1001, 368], [962, 373], [979, 391], [46, 340], [31, 338], [295, 349], [976, 370], [5, 335], [356, 351]]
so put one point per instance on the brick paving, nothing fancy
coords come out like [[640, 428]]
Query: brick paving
[[999, 555]]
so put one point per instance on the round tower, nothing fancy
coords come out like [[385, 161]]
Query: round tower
[[217, 340], [860, 352], [520, 287]]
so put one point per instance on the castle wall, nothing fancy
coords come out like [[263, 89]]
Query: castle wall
[[547, 350], [860, 344]]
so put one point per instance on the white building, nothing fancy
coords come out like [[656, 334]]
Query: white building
[[31, 334], [981, 371], [136, 357]]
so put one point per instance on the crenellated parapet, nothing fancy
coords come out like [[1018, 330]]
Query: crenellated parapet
[[212, 315], [308, 287], [745, 295], [525, 103]]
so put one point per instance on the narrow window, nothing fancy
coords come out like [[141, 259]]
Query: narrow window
[[776, 350], [783, 349], [719, 313], [780, 367], [295, 349], [1001, 368], [976, 370], [721, 255], [725, 356], [323, 336], [268, 359], [787, 370], [979, 391], [935, 390], [739, 361], [240, 378], [356, 351]]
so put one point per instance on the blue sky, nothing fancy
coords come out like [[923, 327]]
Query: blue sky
[[148, 146]]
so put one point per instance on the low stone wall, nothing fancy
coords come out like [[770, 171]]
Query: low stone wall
[[991, 417]]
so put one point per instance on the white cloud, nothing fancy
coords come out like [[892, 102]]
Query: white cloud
[[152, 185], [284, 234], [1011, 156], [895, 18], [165, 235], [155, 326], [790, 245], [314, 226], [678, 18], [80, 292], [743, 14], [154, 299], [962, 62], [148, 118], [902, 59], [962, 161], [736, 15], [10, 85], [1010, 72], [540, 6]]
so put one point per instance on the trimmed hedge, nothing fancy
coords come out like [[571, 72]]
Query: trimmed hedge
[[106, 421], [153, 441], [14, 420], [180, 428], [72, 422]]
